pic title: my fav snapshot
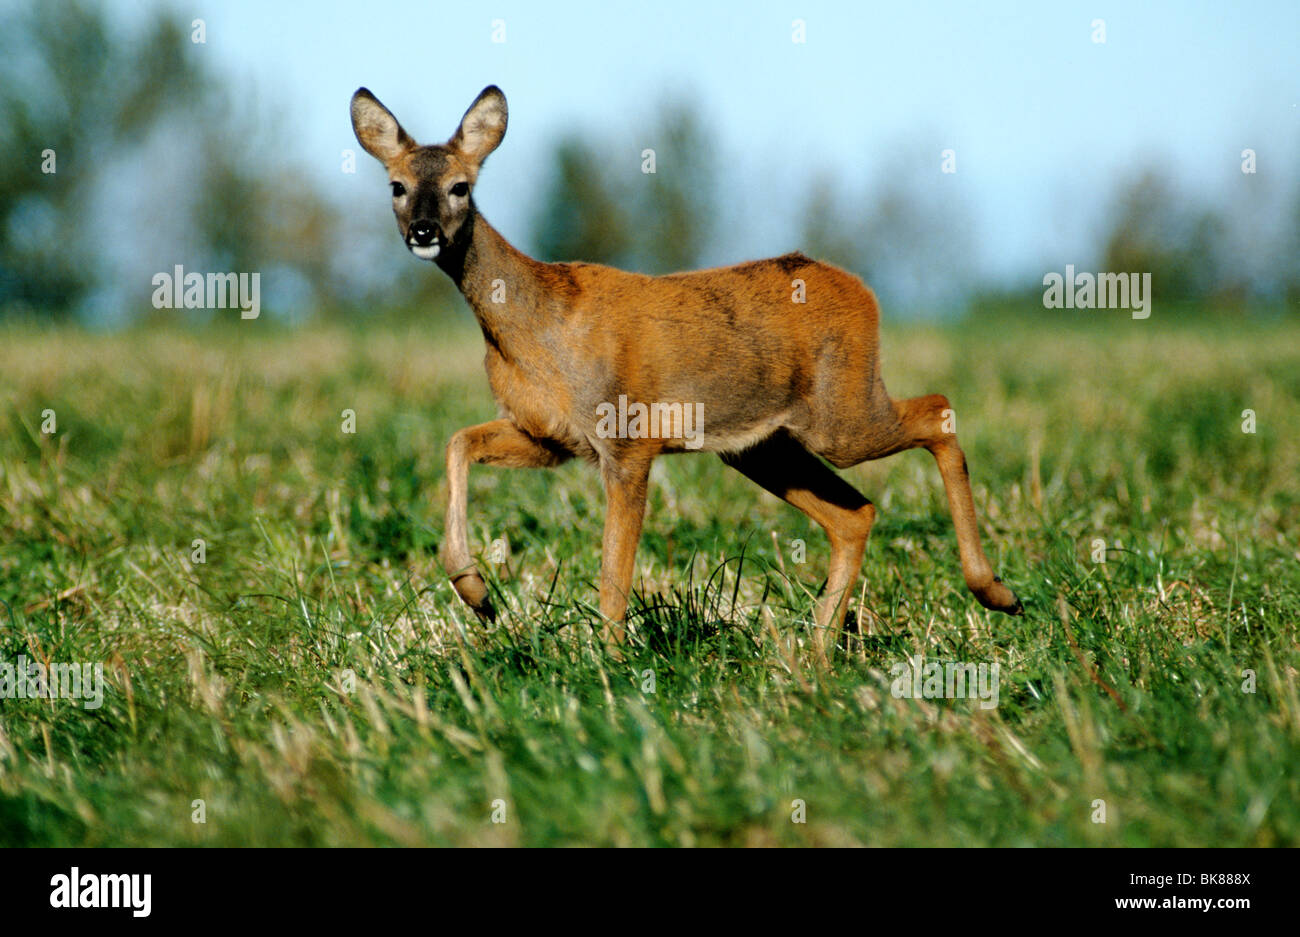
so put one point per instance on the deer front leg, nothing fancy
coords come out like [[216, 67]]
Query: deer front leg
[[625, 493], [498, 442]]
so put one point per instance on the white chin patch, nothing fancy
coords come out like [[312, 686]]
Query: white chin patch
[[425, 253]]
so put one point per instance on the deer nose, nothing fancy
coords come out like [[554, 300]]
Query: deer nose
[[423, 232]]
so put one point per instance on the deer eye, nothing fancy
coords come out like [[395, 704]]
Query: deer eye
[[460, 189], [398, 189]]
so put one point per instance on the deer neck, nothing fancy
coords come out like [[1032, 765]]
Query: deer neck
[[498, 281]]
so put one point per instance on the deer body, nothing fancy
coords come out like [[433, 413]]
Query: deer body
[[779, 358], [572, 336]]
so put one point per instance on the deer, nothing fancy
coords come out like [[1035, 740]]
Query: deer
[[779, 357]]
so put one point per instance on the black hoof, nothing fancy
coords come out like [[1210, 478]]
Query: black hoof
[[999, 598]]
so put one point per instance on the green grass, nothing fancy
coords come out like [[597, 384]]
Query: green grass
[[315, 681]]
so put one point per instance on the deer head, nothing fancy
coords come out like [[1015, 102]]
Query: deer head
[[432, 185]]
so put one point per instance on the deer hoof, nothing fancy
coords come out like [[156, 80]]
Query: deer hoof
[[471, 588], [999, 598]]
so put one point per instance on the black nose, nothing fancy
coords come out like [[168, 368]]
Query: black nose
[[423, 232]]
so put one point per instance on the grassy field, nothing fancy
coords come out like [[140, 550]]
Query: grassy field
[[314, 681]]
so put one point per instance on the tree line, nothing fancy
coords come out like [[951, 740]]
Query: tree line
[[89, 111]]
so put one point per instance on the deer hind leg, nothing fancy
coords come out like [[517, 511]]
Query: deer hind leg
[[927, 421], [788, 470], [498, 442]]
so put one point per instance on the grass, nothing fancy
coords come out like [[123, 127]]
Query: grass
[[315, 682]]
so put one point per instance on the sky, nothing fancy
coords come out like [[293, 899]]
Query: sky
[[1043, 119]]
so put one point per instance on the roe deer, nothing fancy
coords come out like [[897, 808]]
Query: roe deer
[[779, 382]]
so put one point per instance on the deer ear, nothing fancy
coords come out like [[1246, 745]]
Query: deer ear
[[377, 129], [483, 125]]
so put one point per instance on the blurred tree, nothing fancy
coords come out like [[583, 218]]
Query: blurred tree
[[826, 233], [69, 87], [582, 214], [1156, 231], [217, 193], [255, 214], [674, 207], [603, 208], [910, 238], [1291, 257]]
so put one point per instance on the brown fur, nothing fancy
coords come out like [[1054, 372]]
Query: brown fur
[[781, 382]]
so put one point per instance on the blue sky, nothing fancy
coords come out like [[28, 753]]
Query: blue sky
[[1044, 120]]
